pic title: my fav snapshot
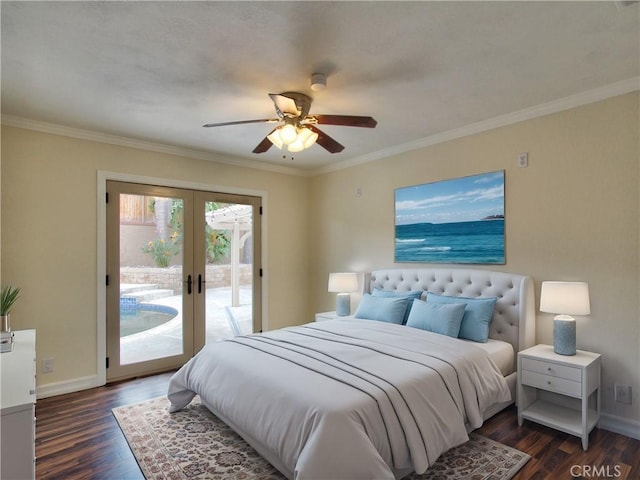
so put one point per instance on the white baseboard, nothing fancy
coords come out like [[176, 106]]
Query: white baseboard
[[67, 386], [623, 426]]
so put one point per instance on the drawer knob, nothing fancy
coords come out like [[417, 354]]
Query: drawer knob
[[549, 382], [548, 369]]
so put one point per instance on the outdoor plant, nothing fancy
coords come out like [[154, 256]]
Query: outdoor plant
[[162, 251], [8, 297], [218, 241], [218, 245]]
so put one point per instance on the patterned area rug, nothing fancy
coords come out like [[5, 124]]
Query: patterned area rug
[[195, 444]]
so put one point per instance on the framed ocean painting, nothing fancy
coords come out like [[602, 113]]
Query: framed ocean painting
[[452, 221]]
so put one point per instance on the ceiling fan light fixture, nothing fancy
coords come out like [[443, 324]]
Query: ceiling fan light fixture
[[288, 132], [298, 128], [274, 137], [307, 136], [296, 146]]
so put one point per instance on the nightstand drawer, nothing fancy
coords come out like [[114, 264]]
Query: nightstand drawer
[[552, 369], [552, 384]]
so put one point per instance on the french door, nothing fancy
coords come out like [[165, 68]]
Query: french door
[[183, 271]]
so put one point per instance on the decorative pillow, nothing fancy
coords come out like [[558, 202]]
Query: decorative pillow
[[384, 309], [442, 318], [410, 296], [477, 315]]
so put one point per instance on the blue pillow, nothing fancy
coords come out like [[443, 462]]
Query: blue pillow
[[442, 318], [477, 315], [410, 296], [389, 310]]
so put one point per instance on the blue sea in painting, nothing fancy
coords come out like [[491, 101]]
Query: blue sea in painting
[[479, 241]]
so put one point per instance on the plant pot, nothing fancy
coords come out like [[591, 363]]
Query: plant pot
[[5, 324]]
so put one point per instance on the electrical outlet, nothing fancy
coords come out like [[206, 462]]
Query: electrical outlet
[[623, 394], [523, 160], [47, 365]]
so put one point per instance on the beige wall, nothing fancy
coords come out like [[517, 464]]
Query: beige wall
[[573, 214], [49, 243]]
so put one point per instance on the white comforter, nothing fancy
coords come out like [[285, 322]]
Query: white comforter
[[344, 399]]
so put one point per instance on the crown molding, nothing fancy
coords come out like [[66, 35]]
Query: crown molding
[[555, 106], [93, 136]]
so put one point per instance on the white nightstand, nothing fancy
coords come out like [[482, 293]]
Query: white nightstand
[[559, 391], [323, 316]]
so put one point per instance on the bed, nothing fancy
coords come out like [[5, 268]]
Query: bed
[[359, 398]]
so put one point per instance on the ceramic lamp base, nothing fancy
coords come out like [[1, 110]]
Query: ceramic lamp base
[[564, 336], [5, 323], [343, 304]]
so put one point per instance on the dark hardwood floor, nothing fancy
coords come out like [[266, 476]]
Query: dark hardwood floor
[[77, 437], [556, 455]]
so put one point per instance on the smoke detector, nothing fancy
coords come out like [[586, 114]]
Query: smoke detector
[[318, 82]]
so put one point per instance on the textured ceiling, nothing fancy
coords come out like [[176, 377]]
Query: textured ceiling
[[157, 71]]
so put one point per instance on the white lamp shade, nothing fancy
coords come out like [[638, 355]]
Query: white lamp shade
[[296, 146], [275, 138], [567, 298], [288, 134], [343, 282], [307, 136]]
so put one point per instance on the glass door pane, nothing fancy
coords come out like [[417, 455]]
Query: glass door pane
[[149, 324], [228, 270], [229, 301], [151, 259]]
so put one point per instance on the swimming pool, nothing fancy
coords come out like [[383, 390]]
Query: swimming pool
[[138, 317]]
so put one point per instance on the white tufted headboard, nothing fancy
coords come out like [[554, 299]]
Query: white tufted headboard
[[514, 316]]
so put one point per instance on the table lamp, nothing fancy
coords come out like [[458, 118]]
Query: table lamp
[[565, 299], [343, 284]]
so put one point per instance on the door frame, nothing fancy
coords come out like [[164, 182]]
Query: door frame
[[101, 267]]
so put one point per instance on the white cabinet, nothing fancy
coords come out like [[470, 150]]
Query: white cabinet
[[559, 391], [17, 404]]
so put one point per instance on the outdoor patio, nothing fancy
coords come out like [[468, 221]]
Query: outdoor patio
[[222, 321]]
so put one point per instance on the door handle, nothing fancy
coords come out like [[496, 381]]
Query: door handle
[[200, 283], [189, 283]]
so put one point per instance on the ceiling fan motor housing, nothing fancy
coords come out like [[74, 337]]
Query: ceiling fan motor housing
[[302, 101]]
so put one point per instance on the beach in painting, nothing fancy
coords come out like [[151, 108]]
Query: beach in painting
[[452, 221]]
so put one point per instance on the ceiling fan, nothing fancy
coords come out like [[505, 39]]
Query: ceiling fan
[[297, 130]]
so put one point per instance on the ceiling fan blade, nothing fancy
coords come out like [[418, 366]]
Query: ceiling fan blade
[[242, 122], [284, 104], [325, 141], [345, 120], [265, 144]]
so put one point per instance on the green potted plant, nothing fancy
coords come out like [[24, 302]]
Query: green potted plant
[[8, 297]]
